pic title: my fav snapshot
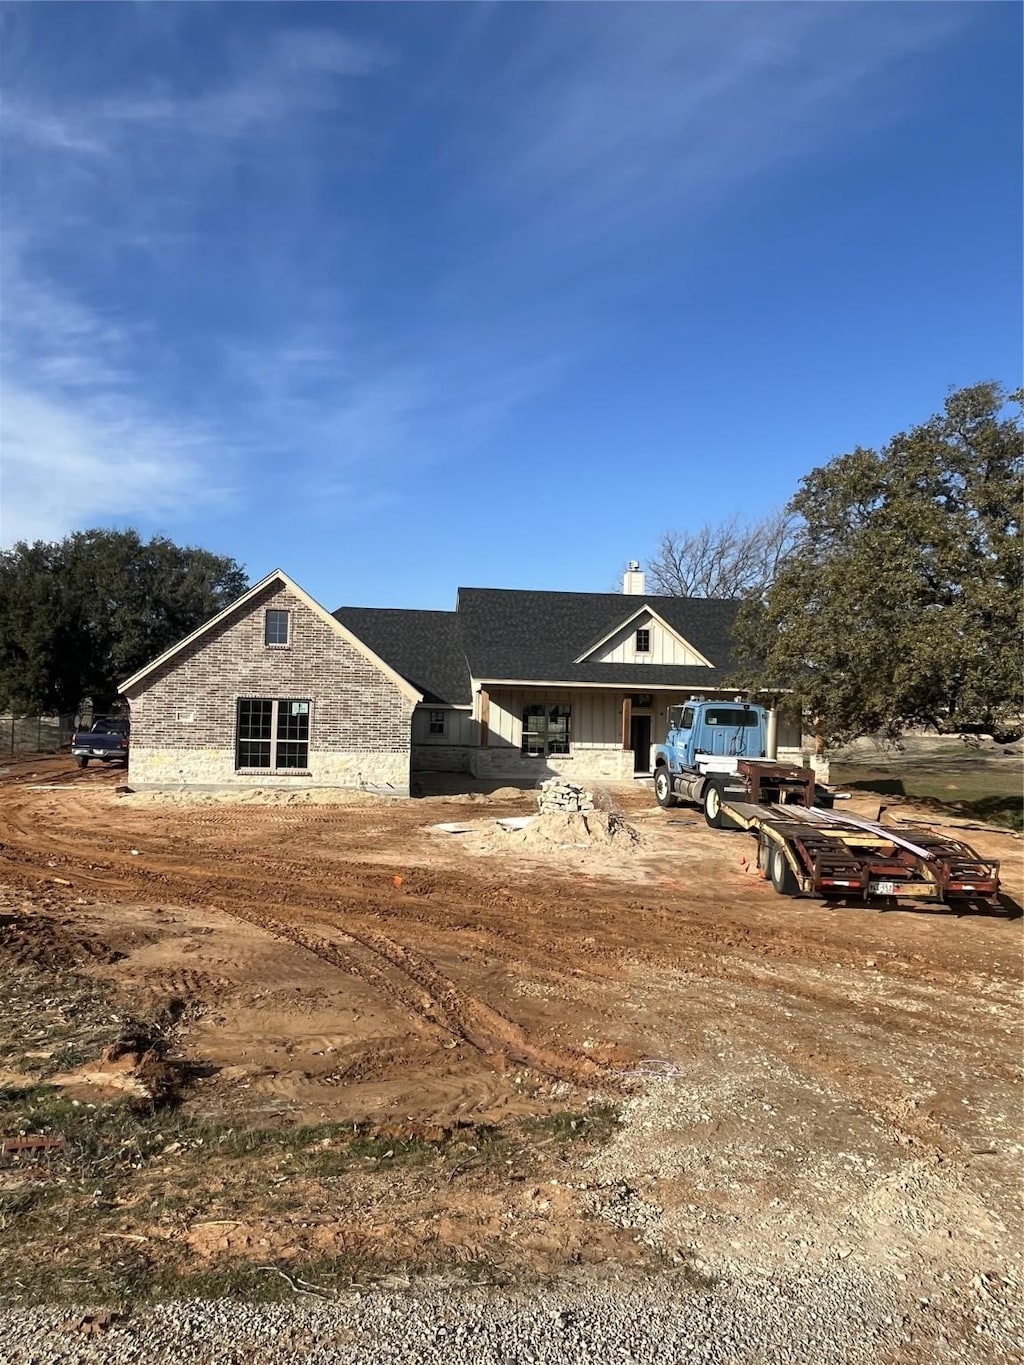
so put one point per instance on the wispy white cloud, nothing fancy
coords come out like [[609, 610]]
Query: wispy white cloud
[[350, 417], [81, 442], [638, 121], [298, 73], [27, 122], [73, 464]]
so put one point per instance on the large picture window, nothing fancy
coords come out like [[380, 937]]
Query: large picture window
[[546, 730], [273, 733]]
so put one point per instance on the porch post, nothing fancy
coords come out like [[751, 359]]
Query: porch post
[[485, 718], [627, 718]]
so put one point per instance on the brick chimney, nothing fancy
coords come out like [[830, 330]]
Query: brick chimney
[[633, 580]]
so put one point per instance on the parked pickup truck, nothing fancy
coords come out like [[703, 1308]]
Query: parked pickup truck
[[106, 739]]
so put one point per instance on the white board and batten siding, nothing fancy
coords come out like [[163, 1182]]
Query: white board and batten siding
[[457, 720], [596, 716], [665, 647]]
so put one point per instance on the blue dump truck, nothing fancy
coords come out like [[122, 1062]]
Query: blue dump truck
[[715, 753], [105, 740]]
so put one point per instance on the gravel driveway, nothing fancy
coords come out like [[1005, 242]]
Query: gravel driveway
[[842, 1320]]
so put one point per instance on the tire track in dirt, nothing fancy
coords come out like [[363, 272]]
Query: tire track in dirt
[[699, 949], [439, 1002]]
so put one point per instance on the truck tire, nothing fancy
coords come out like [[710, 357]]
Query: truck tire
[[663, 793], [781, 873], [711, 799], [83, 762]]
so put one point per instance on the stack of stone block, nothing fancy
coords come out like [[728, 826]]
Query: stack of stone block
[[556, 794]]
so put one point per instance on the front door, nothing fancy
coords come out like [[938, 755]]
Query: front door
[[640, 742]]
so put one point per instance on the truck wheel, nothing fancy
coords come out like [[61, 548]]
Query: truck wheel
[[783, 880], [663, 793], [83, 763], [712, 800]]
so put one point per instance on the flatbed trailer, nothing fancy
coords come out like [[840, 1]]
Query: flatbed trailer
[[809, 851]]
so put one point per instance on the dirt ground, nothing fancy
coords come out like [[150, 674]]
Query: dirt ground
[[796, 1084]]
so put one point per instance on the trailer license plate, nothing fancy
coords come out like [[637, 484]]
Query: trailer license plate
[[882, 888]]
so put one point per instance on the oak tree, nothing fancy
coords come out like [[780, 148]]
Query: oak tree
[[900, 603], [79, 615]]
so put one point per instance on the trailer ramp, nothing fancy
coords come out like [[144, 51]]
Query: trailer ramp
[[804, 850]]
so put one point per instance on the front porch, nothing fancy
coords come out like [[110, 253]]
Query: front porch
[[583, 733]]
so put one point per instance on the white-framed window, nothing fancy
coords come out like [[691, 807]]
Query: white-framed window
[[643, 640], [546, 729], [272, 733], [277, 627], [437, 722]]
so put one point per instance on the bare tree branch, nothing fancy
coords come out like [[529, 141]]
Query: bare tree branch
[[731, 559]]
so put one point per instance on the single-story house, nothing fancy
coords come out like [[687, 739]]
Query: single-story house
[[515, 684]]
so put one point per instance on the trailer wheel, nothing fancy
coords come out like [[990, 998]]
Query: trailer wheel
[[83, 763], [663, 793], [712, 800], [781, 873]]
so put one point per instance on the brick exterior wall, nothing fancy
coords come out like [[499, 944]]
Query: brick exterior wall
[[184, 715]]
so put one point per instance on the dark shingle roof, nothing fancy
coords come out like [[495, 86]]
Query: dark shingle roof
[[535, 636], [421, 645]]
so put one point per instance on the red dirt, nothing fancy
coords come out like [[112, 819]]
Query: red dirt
[[321, 988]]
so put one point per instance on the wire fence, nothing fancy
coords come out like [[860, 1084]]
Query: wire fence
[[36, 734]]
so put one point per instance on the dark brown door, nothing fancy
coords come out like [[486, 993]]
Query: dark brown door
[[640, 743]]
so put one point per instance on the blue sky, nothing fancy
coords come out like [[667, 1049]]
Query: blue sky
[[405, 297]]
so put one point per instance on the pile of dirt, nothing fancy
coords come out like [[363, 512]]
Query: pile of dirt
[[563, 829], [136, 1064]]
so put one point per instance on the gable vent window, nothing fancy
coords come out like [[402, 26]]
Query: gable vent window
[[437, 722], [546, 730], [275, 630], [272, 733], [643, 641]]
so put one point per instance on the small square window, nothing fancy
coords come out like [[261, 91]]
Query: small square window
[[643, 641], [276, 628], [437, 722]]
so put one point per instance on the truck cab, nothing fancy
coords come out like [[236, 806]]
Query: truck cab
[[715, 753], [701, 734]]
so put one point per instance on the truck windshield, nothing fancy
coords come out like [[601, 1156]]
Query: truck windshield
[[727, 715]]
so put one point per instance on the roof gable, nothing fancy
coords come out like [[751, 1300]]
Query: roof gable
[[239, 605], [613, 645]]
